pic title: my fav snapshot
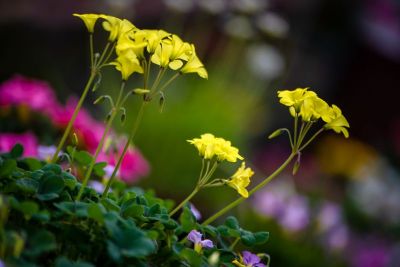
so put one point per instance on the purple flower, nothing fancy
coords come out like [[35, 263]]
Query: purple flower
[[97, 186], [196, 213], [46, 152], [248, 259], [196, 238]]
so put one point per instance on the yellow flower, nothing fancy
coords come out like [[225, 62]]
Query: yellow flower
[[89, 20], [241, 179], [209, 146], [171, 52], [294, 98], [225, 151], [127, 63], [314, 108], [194, 65], [132, 40], [338, 123], [112, 25], [154, 38]]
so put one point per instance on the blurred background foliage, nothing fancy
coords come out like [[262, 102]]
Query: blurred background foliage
[[343, 207]]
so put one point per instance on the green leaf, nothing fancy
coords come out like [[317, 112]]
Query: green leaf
[[248, 238], [55, 168], [17, 151], [232, 223], [110, 205], [134, 211], [28, 208], [40, 242], [98, 168], [27, 185], [52, 184], [32, 163], [96, 212], [83, 157], [7, 167], [133, 243], [69, 180], [261, 237], [64, 262], [191, 257], [187, 220]]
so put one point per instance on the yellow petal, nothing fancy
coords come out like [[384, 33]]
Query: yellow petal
[[89, 20]]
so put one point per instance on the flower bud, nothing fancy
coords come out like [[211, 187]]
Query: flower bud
[[275, 134], [75, 140], [99, 100], [140, 91]]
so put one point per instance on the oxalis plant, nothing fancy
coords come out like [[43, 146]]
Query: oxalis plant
[[49, 218]]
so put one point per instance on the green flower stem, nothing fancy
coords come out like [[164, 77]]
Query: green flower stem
[[89, 171], [256, 188], [121, 157], [104, 53], [296, 118], [74, 115], [208, 174], [234, 243], [202, 181], [91, 49], [185, 201], [303, 133], [311, 139]]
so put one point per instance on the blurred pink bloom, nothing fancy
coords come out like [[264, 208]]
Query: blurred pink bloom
[[133, 166], [89, 130], [27, 140], [37, 95]]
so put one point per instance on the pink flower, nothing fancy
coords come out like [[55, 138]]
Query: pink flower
[[133, 166], [37, 95], [27, 140], [89, 130]]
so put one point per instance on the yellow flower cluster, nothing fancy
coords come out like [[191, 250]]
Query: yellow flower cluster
[[135, 46], [307, 105], [241, 179], [210, 146]]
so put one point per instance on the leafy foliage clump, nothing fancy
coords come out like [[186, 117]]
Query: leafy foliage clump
[[42, 225]]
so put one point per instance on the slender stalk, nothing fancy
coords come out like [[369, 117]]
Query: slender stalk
[[121, 157], [303, 133], [114, 113], [170, 81], [91, 50], [202, 170], [74, 115], [296, 118], [234, 243], [260, 185], [311, 139], [185, 201], [208, 174], [103, 54]]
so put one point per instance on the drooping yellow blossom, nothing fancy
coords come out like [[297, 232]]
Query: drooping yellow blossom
[[241, 179], [338, 123], [112, 25], [133, 40], [127, 63], [209, 146], [89, 20], [194, 65]]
